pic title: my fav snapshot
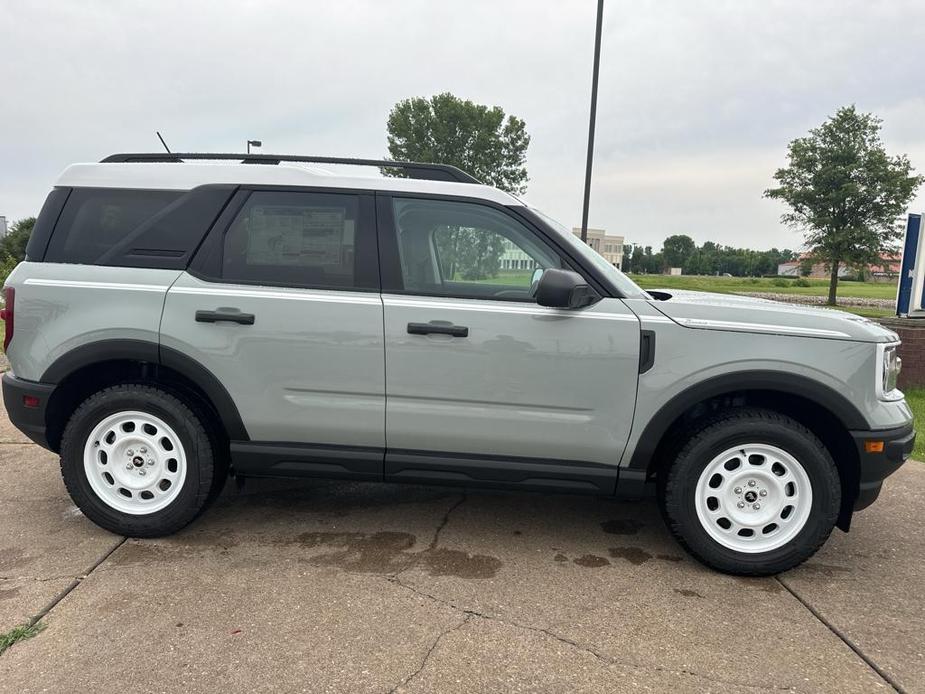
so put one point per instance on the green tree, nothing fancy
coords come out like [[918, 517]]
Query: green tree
[[448, 130], [845, 192], [468, 254], [14, 243], [677, 250], [628, 250]]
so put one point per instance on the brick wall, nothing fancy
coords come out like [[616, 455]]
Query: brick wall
[[912, 351]]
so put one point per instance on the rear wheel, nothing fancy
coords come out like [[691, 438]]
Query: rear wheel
[[752, 493], [138, 461]]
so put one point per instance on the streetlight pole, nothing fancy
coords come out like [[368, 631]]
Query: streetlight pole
[[592, 120], [256, 143]]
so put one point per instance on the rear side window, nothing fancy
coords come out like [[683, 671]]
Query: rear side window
[[300, 240], [134, 228]]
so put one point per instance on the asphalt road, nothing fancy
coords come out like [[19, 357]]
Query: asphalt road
[[336, 587]]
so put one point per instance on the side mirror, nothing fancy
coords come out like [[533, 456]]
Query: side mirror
[[563, 289]]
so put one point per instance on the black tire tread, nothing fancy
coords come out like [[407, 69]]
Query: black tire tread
[[174, 517], [670, 498]]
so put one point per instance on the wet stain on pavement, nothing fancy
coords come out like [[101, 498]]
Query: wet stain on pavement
[[451, 562], [634, 555], [13, 558], [687, 593], [622, 526], [560, 558], [382, 552], [592, 561], [372, 553], [8, 593], [387, 552]]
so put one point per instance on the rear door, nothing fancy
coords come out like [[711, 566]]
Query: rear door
[[282, 305], [483, 384]]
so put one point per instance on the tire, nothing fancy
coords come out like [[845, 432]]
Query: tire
[[748, 466], [139, 462]]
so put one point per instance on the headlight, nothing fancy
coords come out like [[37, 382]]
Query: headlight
[[888, 373]]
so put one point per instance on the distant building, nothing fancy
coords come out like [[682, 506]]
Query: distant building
[[609, 246], [3, 227], [886, 269], [515, 259]]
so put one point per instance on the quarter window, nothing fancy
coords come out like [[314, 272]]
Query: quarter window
[[467, 250], [96, 220], [297, 239]]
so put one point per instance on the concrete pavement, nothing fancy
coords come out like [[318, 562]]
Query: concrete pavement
[[343, 587]]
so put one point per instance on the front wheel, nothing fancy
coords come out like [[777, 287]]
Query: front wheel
[[752, 493], [138, 461]]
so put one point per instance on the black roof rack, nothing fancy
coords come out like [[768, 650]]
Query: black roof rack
[[432, 172]]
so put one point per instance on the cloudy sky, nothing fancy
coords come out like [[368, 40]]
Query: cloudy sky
[[697, 99]]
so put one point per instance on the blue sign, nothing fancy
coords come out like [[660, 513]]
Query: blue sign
[[908, 267]]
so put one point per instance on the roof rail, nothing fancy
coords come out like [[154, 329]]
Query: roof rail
[[433, 172]]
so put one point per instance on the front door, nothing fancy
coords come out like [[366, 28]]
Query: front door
[[482, 383], [285, 312]]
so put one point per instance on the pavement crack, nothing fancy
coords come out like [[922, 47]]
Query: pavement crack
[[38, 579], [858, 651], [436, 538], [73, 584], [603, 658], [433, 647], [445, 521]]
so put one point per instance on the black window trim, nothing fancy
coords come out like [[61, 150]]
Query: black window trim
[[390, 260], [206, 264], [47, 231]]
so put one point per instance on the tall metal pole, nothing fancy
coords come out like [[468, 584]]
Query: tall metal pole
[[592, 120]]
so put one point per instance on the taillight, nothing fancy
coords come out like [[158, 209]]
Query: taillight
[[9, 295]]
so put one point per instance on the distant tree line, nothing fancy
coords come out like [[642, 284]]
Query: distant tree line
[[708, 259], [13, 245]]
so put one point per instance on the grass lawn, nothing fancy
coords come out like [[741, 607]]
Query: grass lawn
[[916, 399], [729, 285]]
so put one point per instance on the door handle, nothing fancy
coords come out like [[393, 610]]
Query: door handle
[[438, 328], [230, 315]]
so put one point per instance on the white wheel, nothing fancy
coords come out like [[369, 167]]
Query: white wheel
[[753, 498], [135, 462]]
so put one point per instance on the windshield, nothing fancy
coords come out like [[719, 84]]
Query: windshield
[[627, 287]]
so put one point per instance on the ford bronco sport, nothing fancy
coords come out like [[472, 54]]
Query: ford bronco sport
[[177, 320]]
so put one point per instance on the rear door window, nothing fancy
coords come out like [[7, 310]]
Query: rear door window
[[318, 240]]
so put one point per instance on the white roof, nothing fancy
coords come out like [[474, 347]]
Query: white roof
[[186, 175]]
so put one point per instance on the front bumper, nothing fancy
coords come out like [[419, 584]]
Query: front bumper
[[877, 465], [28, 418]]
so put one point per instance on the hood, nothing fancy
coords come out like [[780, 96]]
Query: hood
[[730, 312]]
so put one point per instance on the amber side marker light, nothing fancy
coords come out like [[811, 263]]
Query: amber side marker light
[[873, 446]]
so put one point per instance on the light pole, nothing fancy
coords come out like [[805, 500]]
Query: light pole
[[592, 120], [255, 143]]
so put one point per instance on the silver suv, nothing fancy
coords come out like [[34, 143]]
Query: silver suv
[[178, 320]]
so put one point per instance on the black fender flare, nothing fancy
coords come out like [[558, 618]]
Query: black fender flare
[[770, 381], [150, 352]]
